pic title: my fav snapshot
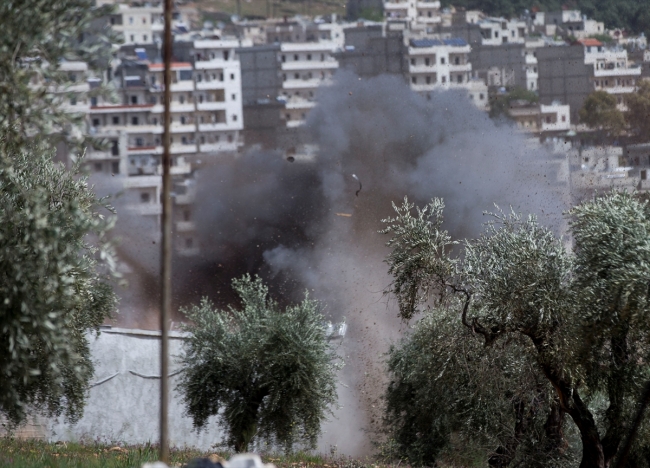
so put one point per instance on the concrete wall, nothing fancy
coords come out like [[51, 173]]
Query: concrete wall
[[563, 76], [508, 57], [260, 73], [123, 403]]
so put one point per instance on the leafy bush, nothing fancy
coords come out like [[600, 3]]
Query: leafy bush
[[267, 373]]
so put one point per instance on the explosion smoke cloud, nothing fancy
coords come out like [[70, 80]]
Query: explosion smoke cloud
[[300, 225]]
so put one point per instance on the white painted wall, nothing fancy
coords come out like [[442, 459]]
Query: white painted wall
[[123, 406]]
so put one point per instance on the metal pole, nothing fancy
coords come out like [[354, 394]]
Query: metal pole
[[166, 261]]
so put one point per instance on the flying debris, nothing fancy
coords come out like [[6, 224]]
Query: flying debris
[[360, 186], [291, 159], [335, 330], [345, 215]]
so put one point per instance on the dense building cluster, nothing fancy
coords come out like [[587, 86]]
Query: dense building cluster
[[254, 82]]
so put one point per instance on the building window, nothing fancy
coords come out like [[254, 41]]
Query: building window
[[98, 167], [295, 57], [202, 139], [428, 80], [644, 174], [115, 149], [226, 54], [144, 197], [73, 101], [139, 142], [130, 19], [322, 57], [134, 99], [182, 120], [234, 97], [457, 60], [459, 78], [234, 117], [96, 122], [132, 38], [444, 79], [296, 76], [189, 243], [288, 116], [564, 118], [186, 215], [144, 38], [232, 76], [442, 60], [134, 121], [414, 80], [93, 101], [230, 138], [413, 61], [308, 56], [181, 99], [184, 140], [115, 167], [284, 58], [427, 61]]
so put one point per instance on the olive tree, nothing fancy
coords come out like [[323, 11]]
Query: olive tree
[[54, 284], [268, 373], [37, 36], [581, 316]]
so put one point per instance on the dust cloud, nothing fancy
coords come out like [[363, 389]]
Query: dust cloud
[[301, 225]]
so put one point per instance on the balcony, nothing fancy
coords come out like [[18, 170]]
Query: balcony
[[304, 84], [429, 5], [146, 209], [604, 73], [185, 226], [108, 109], [214, 127], [211, 106], [295, 123], [300, 104], [211, 64], [310, 65], [212, 84], [219, 147], [467, 67], [423, 68], [142, 182]]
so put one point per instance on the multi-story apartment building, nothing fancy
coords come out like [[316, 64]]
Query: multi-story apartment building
[[305, 67], [443, 64], [611, 70], [206, 123], [139, 24], [413, 12], [541, 119], [497, 31]]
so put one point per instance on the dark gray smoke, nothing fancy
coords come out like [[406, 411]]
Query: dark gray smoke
[[302, 225]]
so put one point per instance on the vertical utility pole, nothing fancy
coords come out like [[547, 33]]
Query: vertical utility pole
[[166, 258]]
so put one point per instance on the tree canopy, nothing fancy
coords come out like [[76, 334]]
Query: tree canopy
[[38, 35], [564, 334], [600, 111], [54, 284], [638, 115], [267, 373]]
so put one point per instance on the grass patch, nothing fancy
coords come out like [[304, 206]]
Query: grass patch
[[18, 453]]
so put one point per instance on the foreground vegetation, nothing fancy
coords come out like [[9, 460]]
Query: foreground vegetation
[[33, 453]]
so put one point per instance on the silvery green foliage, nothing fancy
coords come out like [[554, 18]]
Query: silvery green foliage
[[36, 36], [267, 373], [54, 285], [418, 259], [581, 318]]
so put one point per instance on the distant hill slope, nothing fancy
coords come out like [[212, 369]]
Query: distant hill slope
[[631, 15]]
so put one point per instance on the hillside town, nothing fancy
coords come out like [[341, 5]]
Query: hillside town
[[252, 83]]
